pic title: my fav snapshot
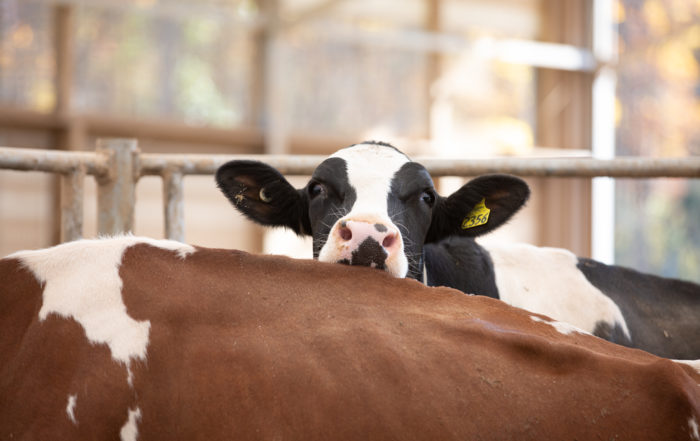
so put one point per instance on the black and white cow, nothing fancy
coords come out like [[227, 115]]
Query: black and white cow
[[369, 204]]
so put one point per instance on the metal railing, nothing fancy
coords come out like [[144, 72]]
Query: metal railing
[[113, 166], [117, 165]]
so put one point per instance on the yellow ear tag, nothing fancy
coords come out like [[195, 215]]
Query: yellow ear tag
[[478, 216]]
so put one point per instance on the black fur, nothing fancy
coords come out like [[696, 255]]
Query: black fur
[[503, 195], [410, 213], [336, 200], [369, 253], [663, 315], [243, 183], [461, 263]]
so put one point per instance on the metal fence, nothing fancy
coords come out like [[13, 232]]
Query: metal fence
[[117, 165]]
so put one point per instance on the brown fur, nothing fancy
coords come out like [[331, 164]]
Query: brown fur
[[262, 347]]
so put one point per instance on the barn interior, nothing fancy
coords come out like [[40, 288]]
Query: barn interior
[[436, 78]]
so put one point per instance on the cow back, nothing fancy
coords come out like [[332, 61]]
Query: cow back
[[240, 346]]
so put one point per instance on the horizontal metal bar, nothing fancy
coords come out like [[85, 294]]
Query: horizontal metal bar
[[625, 167], [53, 161], [195, 164], [622, 167]]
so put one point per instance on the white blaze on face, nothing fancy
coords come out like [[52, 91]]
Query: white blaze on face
[[370, 170], [547, 281], [81, 281]]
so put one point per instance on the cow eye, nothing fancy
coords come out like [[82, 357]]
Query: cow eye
[[428, 196], [315, 189]]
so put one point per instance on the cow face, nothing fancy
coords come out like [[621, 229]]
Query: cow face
[[370, 205]]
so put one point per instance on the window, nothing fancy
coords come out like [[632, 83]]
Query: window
[[658, 114]]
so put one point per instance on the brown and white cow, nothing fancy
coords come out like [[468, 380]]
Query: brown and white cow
[[138, 339], [369, 204]]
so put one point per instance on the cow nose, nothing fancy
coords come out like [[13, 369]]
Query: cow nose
[[363, 230], [370, 243]]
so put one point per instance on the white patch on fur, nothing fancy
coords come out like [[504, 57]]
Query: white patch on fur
[[695, 364], [81, 281], [70, 408], [547, 281], [425, 275], [130, 429], [694, 430], [370, 169], [561, 327]]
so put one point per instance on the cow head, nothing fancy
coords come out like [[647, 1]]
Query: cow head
[[369, 204]]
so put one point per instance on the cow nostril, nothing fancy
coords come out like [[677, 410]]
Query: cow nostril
[[388, 240], [345, 233]]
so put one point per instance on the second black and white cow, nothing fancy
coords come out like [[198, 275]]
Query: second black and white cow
[[369, 204]]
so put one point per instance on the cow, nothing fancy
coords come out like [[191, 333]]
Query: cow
[[370, 205], [140, 339]]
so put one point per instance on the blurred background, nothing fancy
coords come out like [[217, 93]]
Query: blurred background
[[451, 78]]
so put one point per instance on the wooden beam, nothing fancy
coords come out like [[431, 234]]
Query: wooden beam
[[309, 13], [63, 47], [245, 139], [274, 112], [71, 135], [17, 118], [433, 62], [67, 134], [564, 120], [248, 139]]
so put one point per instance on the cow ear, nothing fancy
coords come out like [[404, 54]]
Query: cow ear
[[480, 206], [263, 195]]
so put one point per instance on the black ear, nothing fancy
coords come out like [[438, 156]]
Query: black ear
[[263, 195], [462, 214]]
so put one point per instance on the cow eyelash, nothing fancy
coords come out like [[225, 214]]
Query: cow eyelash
[[315, 189], [428, 196]]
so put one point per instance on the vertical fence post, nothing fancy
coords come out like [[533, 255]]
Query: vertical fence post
[[116, 192], [174, 210], [72, 204]]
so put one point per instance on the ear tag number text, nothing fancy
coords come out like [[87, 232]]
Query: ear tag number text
[[478, 216]]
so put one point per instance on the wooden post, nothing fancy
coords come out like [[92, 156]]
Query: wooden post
[[273, 94], [433, 63], [72, 134], [564, 120], [116, 193], [268, 96]]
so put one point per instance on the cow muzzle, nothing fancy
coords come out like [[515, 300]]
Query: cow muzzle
[[374, 243]]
